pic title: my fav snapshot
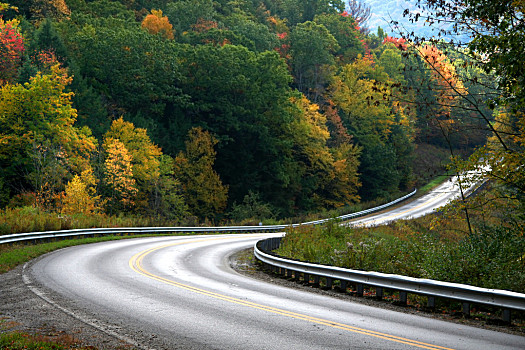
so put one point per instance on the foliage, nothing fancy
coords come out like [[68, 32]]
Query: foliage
[[202, 187], [311, 49], [309, 110], [118, 171], [492, 258], [11, 49], [37, 134], [80, 194], [155, 23], [252, 209]]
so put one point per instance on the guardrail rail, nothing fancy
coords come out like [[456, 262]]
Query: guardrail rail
[[63, 234], [466, 294]]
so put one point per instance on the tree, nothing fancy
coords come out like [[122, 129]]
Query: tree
[[202, 187], [359, 11], [243, 98], [145, 158], [156, 23], [346, 31], [118, 175], [11, 48], [56, 9], [185, 13], [167, 200], [37, 125], [144, 153], [328, 177], [312, 48], [375, 124], [495, 32], [80, 196]]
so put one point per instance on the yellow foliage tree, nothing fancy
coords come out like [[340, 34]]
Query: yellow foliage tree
[[119, 173], [144, 153], [156, 23], [79, 195]]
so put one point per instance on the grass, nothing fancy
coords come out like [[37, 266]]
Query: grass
[[434, 183], [16, 340]]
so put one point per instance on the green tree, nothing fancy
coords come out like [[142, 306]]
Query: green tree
[[345, 30], [382, 131], [243, 98], [312, 48], [202, 187]]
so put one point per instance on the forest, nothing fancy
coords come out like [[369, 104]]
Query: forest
[[199, 110]]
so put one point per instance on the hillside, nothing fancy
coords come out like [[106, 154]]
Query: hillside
[[192, 110]]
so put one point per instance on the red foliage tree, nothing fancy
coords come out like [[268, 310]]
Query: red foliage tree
[[11, 50]]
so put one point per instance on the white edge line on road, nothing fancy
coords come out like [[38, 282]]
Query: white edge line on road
[[88, 321]]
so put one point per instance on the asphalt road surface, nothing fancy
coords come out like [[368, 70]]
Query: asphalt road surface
[[439, 197], [181, 293]]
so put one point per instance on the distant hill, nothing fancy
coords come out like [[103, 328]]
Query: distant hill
[[386, 11]]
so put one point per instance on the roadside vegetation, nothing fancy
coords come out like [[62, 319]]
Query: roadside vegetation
[[19, 341], [436, 246]]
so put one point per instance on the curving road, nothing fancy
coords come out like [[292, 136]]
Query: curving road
[[181, 293], [427, 204]]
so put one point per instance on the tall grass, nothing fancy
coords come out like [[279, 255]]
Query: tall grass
[[491, 258], [30, 219]]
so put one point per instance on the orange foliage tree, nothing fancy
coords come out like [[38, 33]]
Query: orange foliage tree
[[447, 87], [156, 23]]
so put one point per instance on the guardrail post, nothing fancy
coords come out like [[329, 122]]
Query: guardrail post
[[329, 283], [431, 302], [296, 276], [306, 278], [360, 289], [289, 273], [403, 297], [379, 293], [317, 280], [344, 286], [507, 316], [466, 309]]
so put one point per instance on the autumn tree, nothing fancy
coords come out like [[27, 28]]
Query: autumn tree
[[80, 194], [359, 11], [11, 47], [145, 158], [156, 23], [118, 176], [56, 9], [376, 125], [328, 177], [202, 187], [37, 133]]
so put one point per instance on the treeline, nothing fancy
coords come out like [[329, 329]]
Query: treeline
[[219, 109]]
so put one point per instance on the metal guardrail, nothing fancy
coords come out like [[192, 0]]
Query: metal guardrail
[[431, 288], [34, 236]]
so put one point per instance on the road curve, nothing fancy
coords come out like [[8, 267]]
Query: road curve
[[181, 293], [427, 204]]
